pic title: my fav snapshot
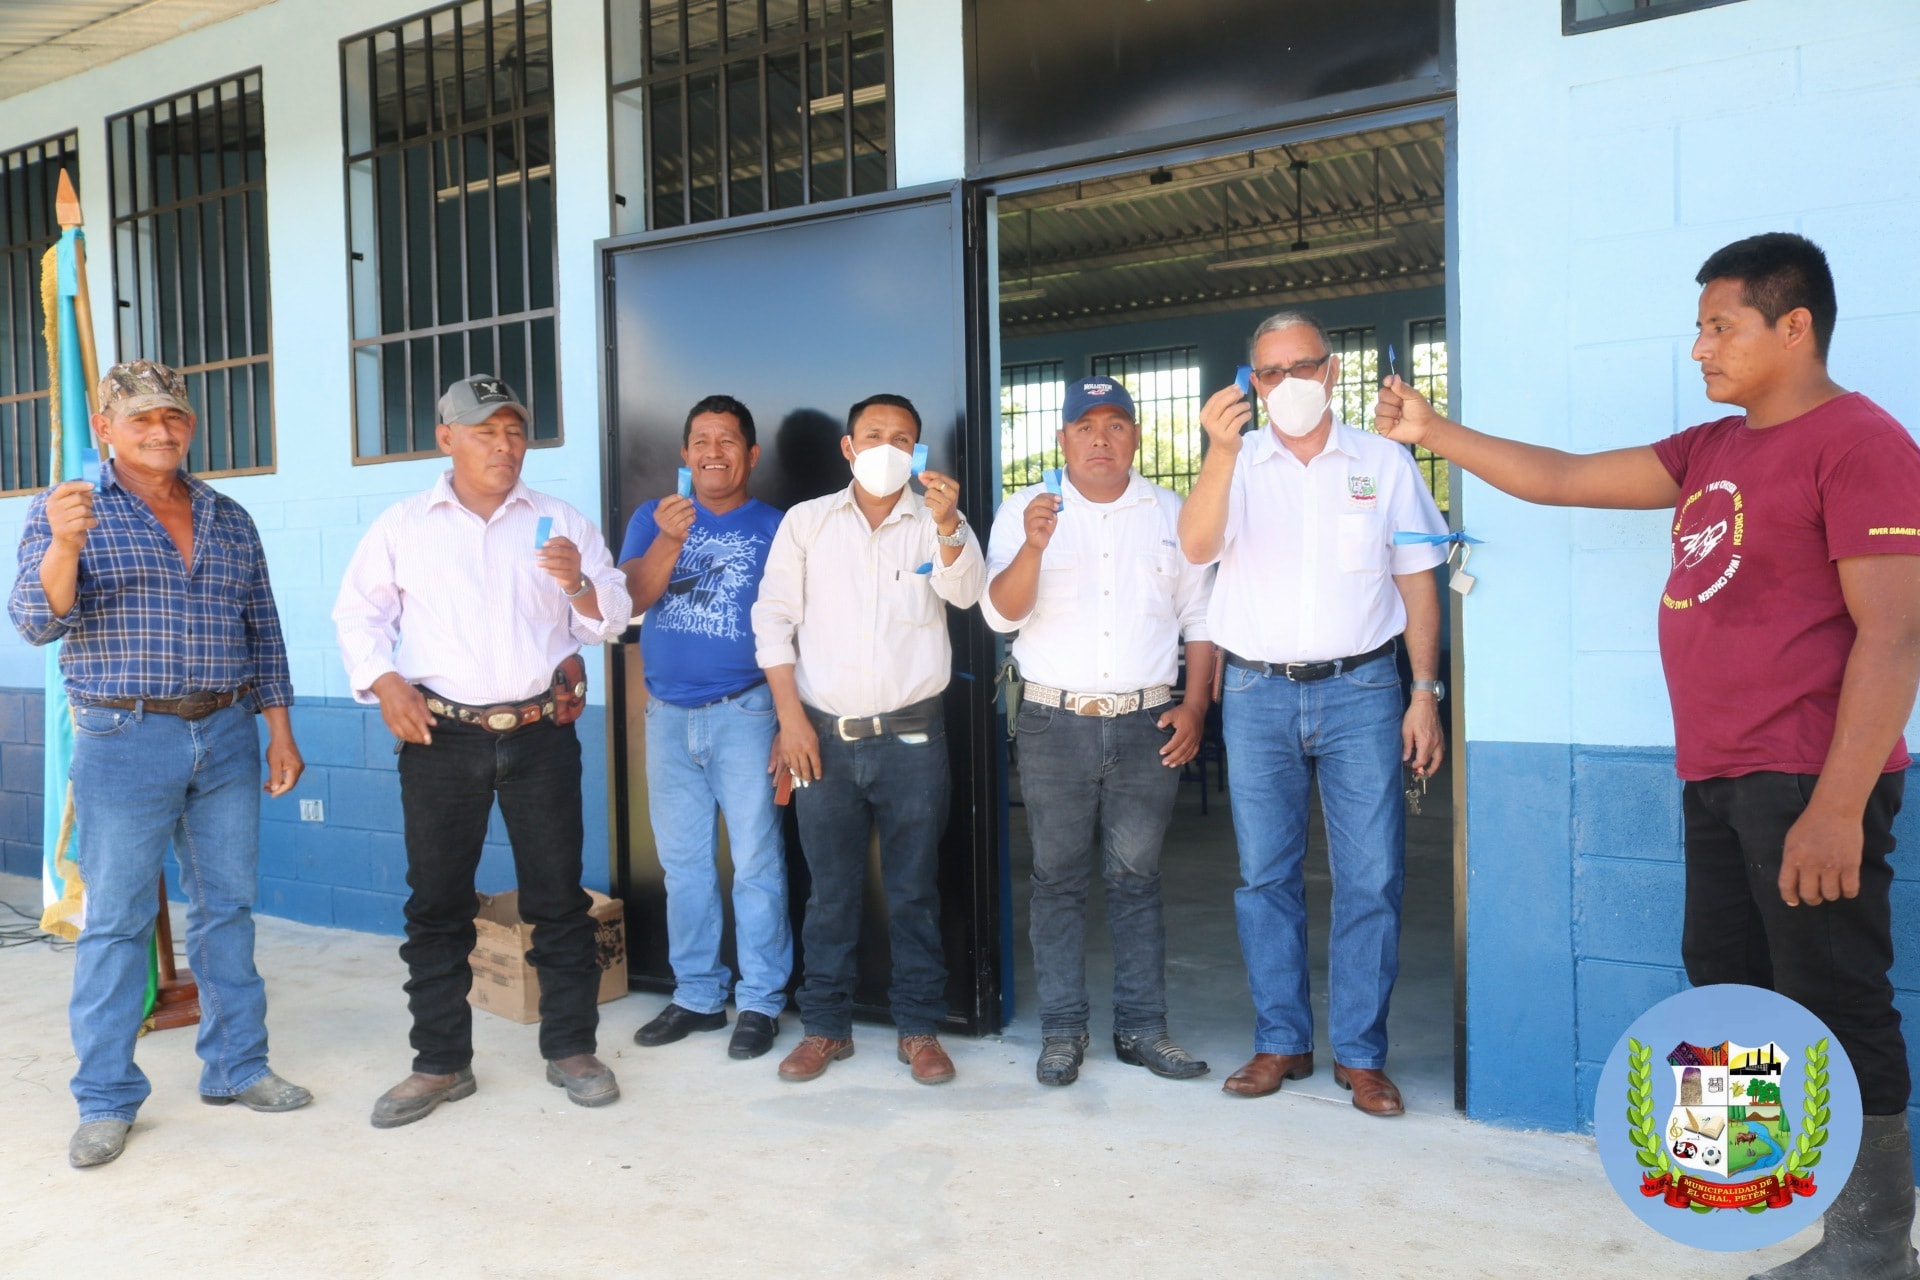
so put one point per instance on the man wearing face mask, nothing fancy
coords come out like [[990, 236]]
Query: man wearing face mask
[[851, 629], [1310, 597]]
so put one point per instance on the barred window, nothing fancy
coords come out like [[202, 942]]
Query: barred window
[[728, 107], [450, 208], [1358, 388], [1427, 342], [188, 175], [1165, 386], [1032, 396], [1577, 16], [29, 178]]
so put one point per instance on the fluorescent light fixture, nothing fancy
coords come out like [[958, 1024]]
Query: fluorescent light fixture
[[1283, 257], [861, 97], [1128, 195], [1023, 295]]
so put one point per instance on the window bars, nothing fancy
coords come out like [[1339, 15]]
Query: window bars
[[29, 176], [448, 118]]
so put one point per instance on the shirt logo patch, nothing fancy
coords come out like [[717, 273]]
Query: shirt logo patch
[[1361, 491], [1709, 536]]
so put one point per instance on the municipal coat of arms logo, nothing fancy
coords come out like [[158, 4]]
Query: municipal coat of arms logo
[[1723, 1140], [1729, 1123]]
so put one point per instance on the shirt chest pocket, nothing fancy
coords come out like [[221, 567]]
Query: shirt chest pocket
[[907, 600], [1361, 542], [1059, 578], [1156, 575]]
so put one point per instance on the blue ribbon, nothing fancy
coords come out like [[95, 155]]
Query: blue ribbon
[[1406, 538]]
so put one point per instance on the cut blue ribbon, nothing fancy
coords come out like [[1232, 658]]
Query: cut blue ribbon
[[1408, 538], [925, 568]]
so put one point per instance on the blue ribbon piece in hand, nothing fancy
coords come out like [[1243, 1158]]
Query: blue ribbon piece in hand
[[1407, 538]]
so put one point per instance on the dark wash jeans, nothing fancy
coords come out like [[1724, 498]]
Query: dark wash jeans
[[1095, 790], [900, 789], [447, 792], [1832, 958]]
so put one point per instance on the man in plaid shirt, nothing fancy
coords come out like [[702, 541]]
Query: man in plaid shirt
[[158, 586]]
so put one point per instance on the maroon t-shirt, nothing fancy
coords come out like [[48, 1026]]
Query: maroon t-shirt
[[1754, 632]]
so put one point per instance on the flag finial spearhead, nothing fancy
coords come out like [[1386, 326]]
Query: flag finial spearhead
[[66, 202]]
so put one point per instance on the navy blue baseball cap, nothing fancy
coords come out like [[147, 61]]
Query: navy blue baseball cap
[[1091, 393]]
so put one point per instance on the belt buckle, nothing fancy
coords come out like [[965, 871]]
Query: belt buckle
[[500, 719], [197, 705], [840, 726]]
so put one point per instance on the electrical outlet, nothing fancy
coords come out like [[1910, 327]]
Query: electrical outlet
[[313, 811]]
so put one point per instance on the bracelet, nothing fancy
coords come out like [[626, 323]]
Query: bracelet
[[586, 584]]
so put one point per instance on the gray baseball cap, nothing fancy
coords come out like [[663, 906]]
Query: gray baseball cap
[[471, 401]]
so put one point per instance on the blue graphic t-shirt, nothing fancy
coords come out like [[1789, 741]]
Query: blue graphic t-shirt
[[697, 639]]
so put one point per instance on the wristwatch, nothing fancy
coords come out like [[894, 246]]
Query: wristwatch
[[586, 584], [958, 538], [1434, 687]]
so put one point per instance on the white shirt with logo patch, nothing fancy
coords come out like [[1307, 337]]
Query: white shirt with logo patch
[[1307, 566]]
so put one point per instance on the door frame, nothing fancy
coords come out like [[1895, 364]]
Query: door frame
[[972, 639], [1440, 109]]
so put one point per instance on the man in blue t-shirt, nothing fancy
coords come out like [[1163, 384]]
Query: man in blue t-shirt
[[693, 564]]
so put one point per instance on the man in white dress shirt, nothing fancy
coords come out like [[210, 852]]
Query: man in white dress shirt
[[851, 627], [1311, 595], [466, 628], [1094, 582]]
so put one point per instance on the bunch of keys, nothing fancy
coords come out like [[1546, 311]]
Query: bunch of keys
[[1415, 790]]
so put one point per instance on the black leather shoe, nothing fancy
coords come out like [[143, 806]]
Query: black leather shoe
[[674, 1023], [1158, 1054], [753, 1035]]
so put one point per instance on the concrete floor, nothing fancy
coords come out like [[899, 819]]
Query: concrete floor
[[709, 1167]]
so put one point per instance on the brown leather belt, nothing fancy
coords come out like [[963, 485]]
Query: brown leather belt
[[916, 718], [560, 702], [188, 706]]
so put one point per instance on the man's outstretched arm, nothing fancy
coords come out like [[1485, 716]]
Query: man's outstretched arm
[[1627, 479]]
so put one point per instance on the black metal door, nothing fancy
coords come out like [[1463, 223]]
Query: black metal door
[[800, 317]]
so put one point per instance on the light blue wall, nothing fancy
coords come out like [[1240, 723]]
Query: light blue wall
[[1595, 174]]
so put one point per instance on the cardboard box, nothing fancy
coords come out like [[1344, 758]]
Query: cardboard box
[[506, 984]]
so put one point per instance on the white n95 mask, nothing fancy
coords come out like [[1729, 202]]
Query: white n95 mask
[[1295, 406], [882, 470]]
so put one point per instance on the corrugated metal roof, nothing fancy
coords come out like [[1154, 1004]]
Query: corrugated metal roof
[[1166, 241], [42, 41]]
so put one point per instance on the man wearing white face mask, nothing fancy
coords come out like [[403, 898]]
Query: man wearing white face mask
[[851, 629], [1310, 597]]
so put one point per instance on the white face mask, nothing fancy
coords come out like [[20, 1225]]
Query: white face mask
[[1295, 406], [882, 470]]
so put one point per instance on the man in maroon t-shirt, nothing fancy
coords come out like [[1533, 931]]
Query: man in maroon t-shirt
[[1790, 633]]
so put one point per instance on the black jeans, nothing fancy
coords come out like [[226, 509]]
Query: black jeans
[[1832, 958], [899, 788], [447, 792], [1097, 795]]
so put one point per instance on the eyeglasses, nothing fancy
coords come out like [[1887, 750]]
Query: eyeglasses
[[1298, 369]]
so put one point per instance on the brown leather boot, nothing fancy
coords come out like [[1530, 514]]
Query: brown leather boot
[[811, 1057], [929, 1061], [1264, 1072], [1373, 1093]]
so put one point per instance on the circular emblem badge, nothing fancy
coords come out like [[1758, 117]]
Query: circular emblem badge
[[1728, 1117], [1709, 537]]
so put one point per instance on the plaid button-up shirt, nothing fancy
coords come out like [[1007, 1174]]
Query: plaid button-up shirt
[[144, 625]]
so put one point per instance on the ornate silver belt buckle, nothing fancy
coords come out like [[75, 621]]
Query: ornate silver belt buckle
[[501, 721]]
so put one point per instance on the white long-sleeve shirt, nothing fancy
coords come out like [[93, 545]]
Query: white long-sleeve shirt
[[459, 604], [847, 605], [1115, 595]]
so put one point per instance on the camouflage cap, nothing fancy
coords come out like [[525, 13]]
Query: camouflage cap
[[139, 385]]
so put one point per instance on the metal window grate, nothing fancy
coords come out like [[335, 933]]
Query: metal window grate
[[1427, 342], [1031, 396], [1355, 392], [448, 119], [1165, 386], [29, 178], [188, 180], [1577, 16], [729, 107]]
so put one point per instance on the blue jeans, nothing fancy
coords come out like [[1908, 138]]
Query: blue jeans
[[703, 760], [1281, 736], [1096, 791], [899, 788], [141, 781]]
